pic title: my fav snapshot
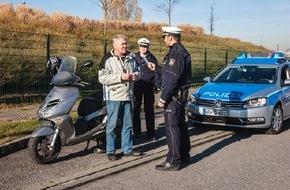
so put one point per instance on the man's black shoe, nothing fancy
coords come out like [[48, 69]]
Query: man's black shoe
[[185, 161], [136, 137], [166, 166], [112, 157], [133, 153]]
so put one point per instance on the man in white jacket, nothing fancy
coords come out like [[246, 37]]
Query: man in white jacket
[[117, 72]]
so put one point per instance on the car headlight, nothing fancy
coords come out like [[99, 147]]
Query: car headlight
[[256, 102], [192, 99]]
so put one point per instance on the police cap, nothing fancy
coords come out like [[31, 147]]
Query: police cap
[[171, 30], [143, 42]]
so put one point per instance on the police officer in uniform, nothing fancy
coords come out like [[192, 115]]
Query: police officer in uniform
[[176, 79], [144, 88]]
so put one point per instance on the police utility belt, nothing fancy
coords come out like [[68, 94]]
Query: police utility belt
[[181, 96]]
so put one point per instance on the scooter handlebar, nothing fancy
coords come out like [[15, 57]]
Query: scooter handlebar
[[82, 83], [85, 83]]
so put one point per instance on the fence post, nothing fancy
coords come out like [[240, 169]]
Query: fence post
[[22, 78], [47, 46], [226, 57], [205, 59], [47, 58], [105, 46]]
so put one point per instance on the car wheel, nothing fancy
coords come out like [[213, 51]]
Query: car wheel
[[277, 121]]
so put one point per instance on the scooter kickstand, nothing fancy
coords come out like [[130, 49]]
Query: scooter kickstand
[[87, 147]]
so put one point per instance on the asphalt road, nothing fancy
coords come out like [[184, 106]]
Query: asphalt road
[[221, 158]]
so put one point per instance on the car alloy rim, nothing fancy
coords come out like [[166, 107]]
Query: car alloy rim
[[277, 119]]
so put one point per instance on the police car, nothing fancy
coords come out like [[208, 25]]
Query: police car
[[252, 92]]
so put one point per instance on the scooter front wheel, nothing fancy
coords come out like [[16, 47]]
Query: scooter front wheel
[[39, 150]]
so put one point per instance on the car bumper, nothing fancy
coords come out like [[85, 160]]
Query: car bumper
[[246, 118]]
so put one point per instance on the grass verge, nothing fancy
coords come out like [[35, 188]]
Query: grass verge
[[10, 130]]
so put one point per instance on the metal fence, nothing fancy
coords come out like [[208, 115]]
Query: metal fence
[[23, 58]]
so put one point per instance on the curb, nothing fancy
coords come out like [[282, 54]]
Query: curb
[[22, 142], [14, 146]]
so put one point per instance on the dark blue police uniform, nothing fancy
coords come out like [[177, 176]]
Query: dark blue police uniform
[[144, 88], [176, 79]]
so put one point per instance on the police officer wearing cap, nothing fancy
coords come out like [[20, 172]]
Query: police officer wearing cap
[[176, 79], [144, 88]]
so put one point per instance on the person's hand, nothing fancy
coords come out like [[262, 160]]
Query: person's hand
[[151, 66], [160, 104], [126, 76], [133, 76]]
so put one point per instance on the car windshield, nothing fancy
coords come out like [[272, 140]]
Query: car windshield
[[246, 74]]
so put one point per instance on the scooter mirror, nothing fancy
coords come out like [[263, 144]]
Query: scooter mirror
[[88, 63]]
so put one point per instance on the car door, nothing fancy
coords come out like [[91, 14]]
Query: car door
[[285, 74]]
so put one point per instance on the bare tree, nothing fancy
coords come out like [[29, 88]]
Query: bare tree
[[104, 5], [212, 18], [167, 7], [125, 10]]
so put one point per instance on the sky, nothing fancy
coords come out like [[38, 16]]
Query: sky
[[265, 22]]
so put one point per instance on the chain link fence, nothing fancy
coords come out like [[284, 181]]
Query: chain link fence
[[23, 58]]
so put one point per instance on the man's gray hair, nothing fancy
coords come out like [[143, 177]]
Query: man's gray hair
[[119, 36]]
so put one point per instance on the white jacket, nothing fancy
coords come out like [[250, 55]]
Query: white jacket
[[110, 70]]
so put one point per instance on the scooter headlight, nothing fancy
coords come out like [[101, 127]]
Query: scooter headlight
[[45, 113]]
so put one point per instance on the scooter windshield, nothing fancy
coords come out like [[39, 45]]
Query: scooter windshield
[[65, 74], [68, 64]]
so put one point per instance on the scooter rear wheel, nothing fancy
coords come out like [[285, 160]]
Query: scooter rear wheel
[[39, 150]]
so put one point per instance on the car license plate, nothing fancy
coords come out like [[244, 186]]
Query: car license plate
[[216, 112]]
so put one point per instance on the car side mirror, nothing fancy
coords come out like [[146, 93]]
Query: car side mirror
[[206, 79]]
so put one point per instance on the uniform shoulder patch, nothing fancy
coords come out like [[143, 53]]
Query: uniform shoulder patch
[[171, 62]]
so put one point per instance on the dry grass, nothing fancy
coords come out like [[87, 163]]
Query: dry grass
[[27, 19]]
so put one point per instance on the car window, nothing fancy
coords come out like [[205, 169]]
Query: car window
[[285, 74], [246, 74]]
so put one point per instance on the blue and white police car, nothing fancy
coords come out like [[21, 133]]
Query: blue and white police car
[[252, 92]]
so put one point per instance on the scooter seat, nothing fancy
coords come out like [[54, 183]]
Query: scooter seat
[[89, 105]]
